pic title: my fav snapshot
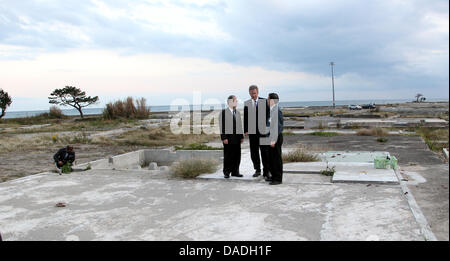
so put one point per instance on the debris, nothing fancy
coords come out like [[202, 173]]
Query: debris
[[368, 185], [60, 205], [153, 166], [406, 192]]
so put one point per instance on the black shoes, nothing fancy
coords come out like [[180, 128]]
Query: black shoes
[[275, 182], [268, 179], [227, 175], [257, 174]]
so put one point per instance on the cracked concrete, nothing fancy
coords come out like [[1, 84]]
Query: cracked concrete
[[139, 205]]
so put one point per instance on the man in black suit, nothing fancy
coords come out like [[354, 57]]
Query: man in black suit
[[256, 113], [231, 134], [63, 156], [276, 140]]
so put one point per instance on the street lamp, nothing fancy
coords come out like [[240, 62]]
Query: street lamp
[[332, 82]]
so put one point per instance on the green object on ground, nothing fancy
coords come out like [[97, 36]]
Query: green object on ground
[[66, 168], [393, 162], [381, 162], [384, 162]]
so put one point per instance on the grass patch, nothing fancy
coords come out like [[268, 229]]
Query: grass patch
[[328, 171], [381, 139], [435, 138], [195, 146], [288, 133], [66, 168], [189, 169], [324, 134], [299, 155], [373, 132]]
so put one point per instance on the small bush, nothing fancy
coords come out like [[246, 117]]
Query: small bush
[[66, 168], [55, 113], [381, 139], [189, 169], [127, 109], [328, 171], [299, 155]]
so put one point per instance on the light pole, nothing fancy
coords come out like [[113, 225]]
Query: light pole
[[332, 82]]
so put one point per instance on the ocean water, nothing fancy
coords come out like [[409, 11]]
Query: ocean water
[[165, 108]]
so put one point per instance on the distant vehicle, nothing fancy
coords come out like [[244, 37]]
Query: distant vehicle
[[368, 106], [354, 107]]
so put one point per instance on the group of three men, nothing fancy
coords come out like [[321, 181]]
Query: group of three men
[[263, 124]]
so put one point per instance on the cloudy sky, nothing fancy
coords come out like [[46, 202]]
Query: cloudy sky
[[163, 50]]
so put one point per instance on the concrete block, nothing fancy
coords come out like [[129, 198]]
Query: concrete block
[[128, 160], [97, 164], [153, 166], [445, 152]]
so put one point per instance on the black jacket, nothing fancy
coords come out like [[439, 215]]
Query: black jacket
[[259, 125], [64, 156], [233, 133]]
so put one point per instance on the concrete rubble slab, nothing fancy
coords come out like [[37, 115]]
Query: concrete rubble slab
[[136, 205], [353, 156], [364, 174]]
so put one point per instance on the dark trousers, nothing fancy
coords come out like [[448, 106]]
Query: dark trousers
[[276, 160], [231, 158], [64, 163], [254, 153]]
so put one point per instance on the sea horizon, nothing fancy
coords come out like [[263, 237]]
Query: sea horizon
[[166, 108]]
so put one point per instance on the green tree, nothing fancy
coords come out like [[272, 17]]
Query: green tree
[[72, 96], [5, 102]]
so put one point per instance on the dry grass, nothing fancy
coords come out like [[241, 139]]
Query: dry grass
[[155, 137], [436, 139], [14, 143], [301, 154], [373, 132], [189, 169], [127, 109]]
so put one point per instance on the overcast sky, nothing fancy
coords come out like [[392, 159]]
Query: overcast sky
[[163, 50]]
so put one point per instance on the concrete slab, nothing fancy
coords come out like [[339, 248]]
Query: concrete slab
[[362, 174], [352, 156], [353, 172], [133, 205], [346, 164]]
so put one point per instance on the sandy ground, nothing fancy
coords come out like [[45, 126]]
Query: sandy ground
[[23, 163]]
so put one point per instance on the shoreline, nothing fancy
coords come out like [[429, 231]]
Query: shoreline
[[284, 105]]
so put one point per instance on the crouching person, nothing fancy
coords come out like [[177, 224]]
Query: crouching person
[[64, 156], [232, 135]]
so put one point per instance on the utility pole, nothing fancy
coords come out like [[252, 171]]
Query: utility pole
[[332, 82]]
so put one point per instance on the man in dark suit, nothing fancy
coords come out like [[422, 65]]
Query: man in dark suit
[[256, 113], [276, 140], [231, 134], [63, 156]]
